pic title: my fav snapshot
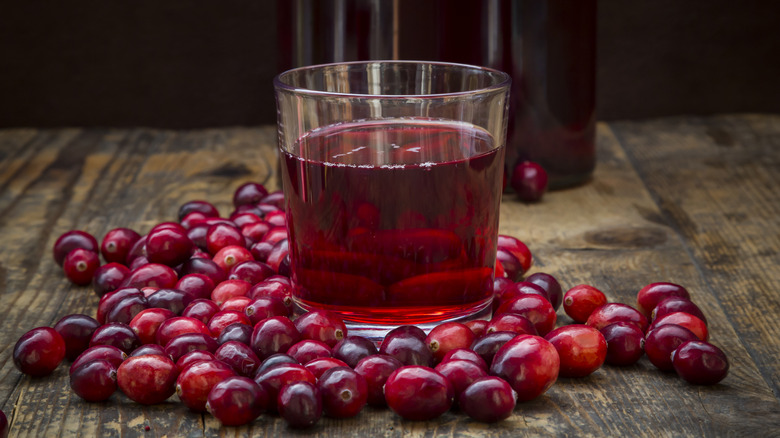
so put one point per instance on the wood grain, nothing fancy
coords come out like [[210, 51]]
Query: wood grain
[[688, 200]]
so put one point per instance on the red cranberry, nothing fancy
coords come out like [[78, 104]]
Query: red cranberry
[[511, 322], [108, 277], [238, 304], [224, 318], [274, 198], [446, 337], [353, 348], [244, 218], [80, 266], [220, 236], [194, 219], [418, 393], [692, 323], [108, 353], [117, 244], [137, 251], [72, 240], [147, 321], [135, 264], [274, 360], [275, 234], [76, 330], [489, 399], [151, 274], [518, 289], [174, 300], [465, 354], [38, 352], [201, 309], [279, 251], [147, 379], [274, 289], [407, 344], [94, 381], [261, 250], [514, 256], [320, 365], [196, 381], [461, 373], [256, 231], [308, 350], [167, 226], [375, 369], [649, 296], [240, 357], [230, 256], [125, 310], [537, 309], [265, 307], [275, 378], [184, 343], [274, 335], [321, 325], [168, 246], [147, 349], [203, 207], [700, 363], [236, 401], [478, 326], [278, 217], [549, 284], [677, 304], [300, 404], [529, 364], [196, 285], [193, 356], [529, 180], [177, 326], [581, 348], [487, 346], [344, 392], [117, 334], [228, 289], [661, 341], [236, 332], [625, 343], [250, 271], [614, 312], [581, 300], [206, 267], [249, 193]]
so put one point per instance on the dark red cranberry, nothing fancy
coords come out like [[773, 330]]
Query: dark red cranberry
[[487, 346], [228, 289], [499, 283], [261, 250], [204, 207], [661, 341], [125, 310], [273, 289], [147, 379], [581, 348], [518, 289], [275, 234], [550, 284], [137, 251], [108, 277], [135, 264], [108, 353], [514, 256], [265, 307], [274, 360], [38, 352], [700, 363], [116, 334], [320, 365], [529, 364], [537, 309], [224, 318], [236, 401], [275, 198], [465, 354], [250, 271], [201, 309], [3, 425], [321, 325], [151, 274], [344, 392], [80, 266], [196, 381], [273, 379], [279, 251], [168, 246], [461, 373], [677, 304], [625, 343], [197, 235], [407, 344], [117, 243], [220, 236], [446, 337], [76, 330], [274, 335], [179, 325], [174, 300], [308, 350], [255, 231], [240, 357], [147, 349], [692, 323], [184, 343], [478, 326], [614, 312], [300, 404], [649, 296], [418, 393], [94, 381], [194, 219], [206, 267], [529, 180], [489, 399], [249, 193], [511, 322], [236, 332], [193, 356], [196, 285], [581, 300], [230, 256], [167, 226], [241, 218], [353, 348], [375, 369], [71, 240]]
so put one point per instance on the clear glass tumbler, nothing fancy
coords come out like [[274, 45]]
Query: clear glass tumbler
[[392, 173]]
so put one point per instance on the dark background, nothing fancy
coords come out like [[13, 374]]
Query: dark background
[[199, 63]]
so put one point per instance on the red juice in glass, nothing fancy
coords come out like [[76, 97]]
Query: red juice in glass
[[394, 221]]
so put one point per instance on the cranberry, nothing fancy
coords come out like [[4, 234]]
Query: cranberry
[[549, 284], [206, 267], [230, 256], [168, 246], [300, 404], [228, 289], [478, 326], [201, 309], [581, 348], [465, 354], [244, 218], [275, 234], [489, 399], [279, 252], [137, 251], [38, 352], [677, 304], [224, 318], [256, 231], [344, 392], [108, 277], [250, 271], [174, 300], [511, 322], [193, 356], [274, 198], [203, 207], [321, 325], [375, 369], [614, 312], [461, 373], [76, 330], [236, 401], [661, 341], [278, 217], [151, 274], [265, 307], [518, 289], [529, 364], [275, 378], [581, 300], [308, 350], [418, 393], [196, 285], [261, 250], [320, 365], [94, 381], [407, 344], [117, 334], [72, 240], [529, 180], [487, 346], [177, 326], [146, 323], [513, 255], [274, 335], [446, 337], [272, 288], [238, 304], [194, 219], [125, 310], [274, 360], [692, 323], [146, 349], [196, 381], [353, 348], [649, 296], [80, 266], [236, 332], [700, 363], [135, 264], [625, 343], [249, 193], [147, 379], [239, 356], [3, 425], [117, 243], [221, 235], [108, 353], [184, 343], [537, 309]]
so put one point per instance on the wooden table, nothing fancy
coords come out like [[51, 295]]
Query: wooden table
[[690, 200]]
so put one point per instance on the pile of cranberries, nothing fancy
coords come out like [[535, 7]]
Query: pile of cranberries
[[202, 308]]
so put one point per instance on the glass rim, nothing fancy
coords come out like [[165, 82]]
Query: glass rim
[[503, 80]]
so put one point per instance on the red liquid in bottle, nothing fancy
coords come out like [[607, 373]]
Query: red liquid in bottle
[[394, 222]]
